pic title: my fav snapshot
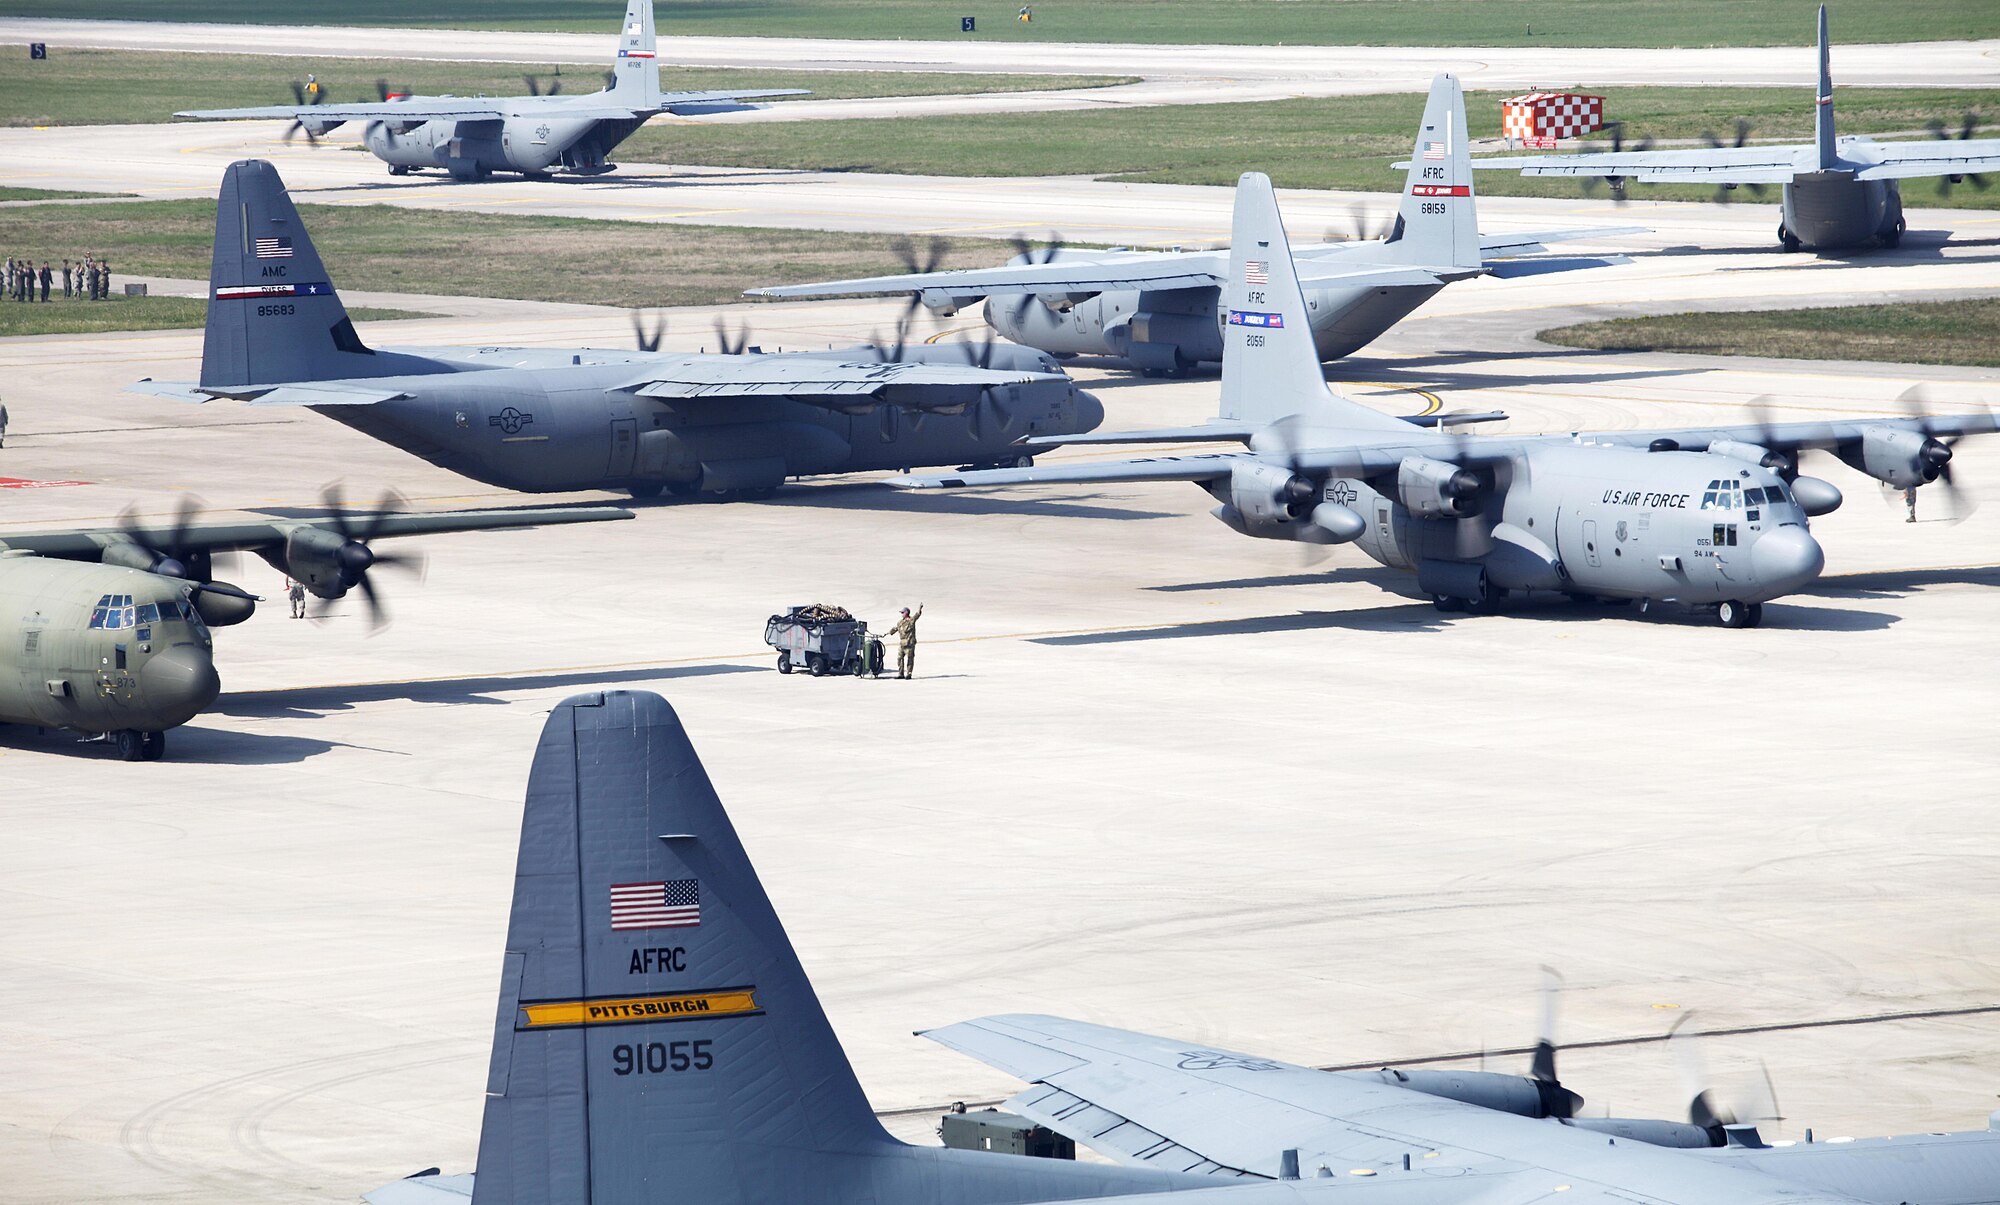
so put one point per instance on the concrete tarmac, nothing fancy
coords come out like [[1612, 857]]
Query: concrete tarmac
[[1152, 774]]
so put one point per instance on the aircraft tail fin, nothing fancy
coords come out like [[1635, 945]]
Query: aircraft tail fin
[[655, 1026], [1270, 365], [1823, 135], [637, 69], [273, 315], [1438, 223]]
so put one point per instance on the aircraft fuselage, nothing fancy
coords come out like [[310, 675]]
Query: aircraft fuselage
[[1826, 210], [1173, 330], [532, 420], [99, 648], [528, 142]]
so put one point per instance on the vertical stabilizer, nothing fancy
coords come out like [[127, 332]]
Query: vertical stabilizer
[[272, 313], [1438, 224], [1829, 151], [657, 1038], [638, 66], [1270, 365]]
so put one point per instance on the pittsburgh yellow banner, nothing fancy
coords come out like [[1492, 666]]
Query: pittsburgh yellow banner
[[627, 1010]]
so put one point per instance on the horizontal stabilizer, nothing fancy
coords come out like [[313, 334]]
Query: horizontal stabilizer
[[431, 1189], [1528, 242], [1511, 269], [1206, 433]]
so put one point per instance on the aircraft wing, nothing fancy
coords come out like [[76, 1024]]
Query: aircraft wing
[[1221, 431], [88, 544], [809, 379], [1707, 165], [693, 104], [1791, 437], [470, 108], [1200, 466], [1079, 274], [1939, 157], [357, 392]]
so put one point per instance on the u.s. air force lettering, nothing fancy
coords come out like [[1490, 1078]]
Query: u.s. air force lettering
[[1649, 499]]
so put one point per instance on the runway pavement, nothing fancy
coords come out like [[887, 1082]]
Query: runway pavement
[[1173, 74], [1154, 774]]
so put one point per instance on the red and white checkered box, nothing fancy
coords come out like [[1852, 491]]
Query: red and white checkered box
[[1539, 118]]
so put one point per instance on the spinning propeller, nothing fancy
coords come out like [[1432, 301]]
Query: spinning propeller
[[354, 559], [1937, 453], [534, 83], [1361, 226], [1722, 191], [1617, 183], [298, 124], [1968, 126], [169, 553], [1026, 252], [648, 340], [731, 342], [1557, 1101], [1706, 1108]]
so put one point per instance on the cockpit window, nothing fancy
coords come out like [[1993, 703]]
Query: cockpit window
[[148, 613], [1754, 496]]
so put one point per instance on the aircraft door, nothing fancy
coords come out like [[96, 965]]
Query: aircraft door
[[624, 443]]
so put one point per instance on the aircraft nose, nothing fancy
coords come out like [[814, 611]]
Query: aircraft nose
[[1786, 559], [1089, 412], [178, 683]]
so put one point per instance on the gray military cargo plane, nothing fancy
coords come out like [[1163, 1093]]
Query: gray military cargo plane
[[472, 137], [658, 1040], [1713, 518], [106, 631], [1160, 311], [544, 419], [1836, 191]]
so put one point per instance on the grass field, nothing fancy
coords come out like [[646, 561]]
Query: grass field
[[105, 87], [1341, 142], [1299, 22], [121, 313], [1936, 332], [481, 255], [9, 193]]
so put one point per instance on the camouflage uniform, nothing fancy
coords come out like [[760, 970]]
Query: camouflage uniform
[[905, 632]]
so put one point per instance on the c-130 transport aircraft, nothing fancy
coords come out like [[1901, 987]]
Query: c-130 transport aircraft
[[1712, 518], [658, 1043], [106, 631], [544, 419], [472, 137]]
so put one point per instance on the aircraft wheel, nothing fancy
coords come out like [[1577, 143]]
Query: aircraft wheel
[[1787, 239], [816, 664], [1733, 614], [152, 746], [397, 169], [784, 663], [682, 489], [1756, 615], [131, 744], [645, 489], [1024, 462], [1894, 238], [1447, 604]]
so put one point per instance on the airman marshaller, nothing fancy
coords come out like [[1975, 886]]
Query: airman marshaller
[[905, 632]]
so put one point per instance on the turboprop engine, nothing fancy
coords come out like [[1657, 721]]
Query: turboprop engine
[[1436, 489], [325, 562], [1900, 458], [1275, 503], [1814, 496]]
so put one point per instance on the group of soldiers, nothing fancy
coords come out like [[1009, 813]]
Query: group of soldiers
[[88, 277]]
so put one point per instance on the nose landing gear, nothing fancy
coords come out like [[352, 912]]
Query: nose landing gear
[[1733, 614]]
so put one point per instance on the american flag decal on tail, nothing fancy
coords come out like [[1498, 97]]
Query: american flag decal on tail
[[1257, 271], [273, 247], [673, 904], [1434, 150]]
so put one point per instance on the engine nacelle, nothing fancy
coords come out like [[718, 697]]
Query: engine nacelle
[[1267, 495], [1814, 496], [1434, 489], [1784, 464], [1680, 1134], [1898, 457], [945, 303], [325, 562], [224, 607], [1516, 1094], [130, 555]]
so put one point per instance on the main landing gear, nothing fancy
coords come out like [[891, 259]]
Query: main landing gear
[[1733, 614], [1786, 238], [134, 745]]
